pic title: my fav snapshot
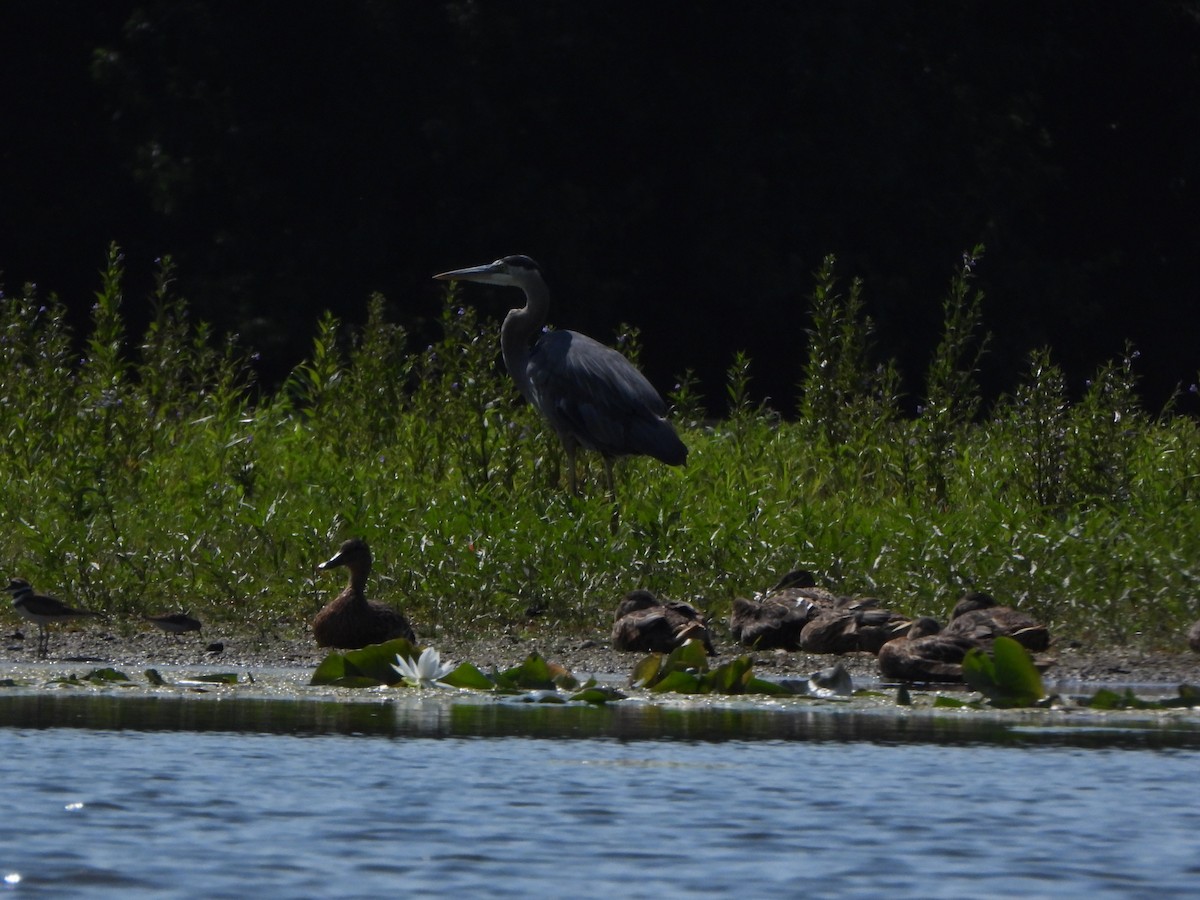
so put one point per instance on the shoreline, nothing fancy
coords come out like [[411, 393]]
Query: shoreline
[[582, 654]]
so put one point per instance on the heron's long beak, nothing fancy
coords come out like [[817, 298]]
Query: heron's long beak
[[489, 274]]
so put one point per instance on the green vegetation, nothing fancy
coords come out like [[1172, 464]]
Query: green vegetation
[[685, 671], [151, 474], [1007, 675]]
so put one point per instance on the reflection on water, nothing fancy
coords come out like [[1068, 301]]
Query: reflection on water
[[408, 806], [436, 715]]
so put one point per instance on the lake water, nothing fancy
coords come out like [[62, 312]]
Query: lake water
[[109, 795]]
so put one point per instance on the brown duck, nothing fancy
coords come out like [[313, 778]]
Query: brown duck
[[649, 625], [926, 654], [350, 620], [855, 625], [980, 617], [776, 620]]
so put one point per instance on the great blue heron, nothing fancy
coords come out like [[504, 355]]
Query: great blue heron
[[592, 396]]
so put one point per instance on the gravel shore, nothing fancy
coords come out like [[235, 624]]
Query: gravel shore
[[581, 654]]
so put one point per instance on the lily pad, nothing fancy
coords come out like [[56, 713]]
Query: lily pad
[[685, 671], [368, 667], [468, 676], [596, 695], [1007, 677], [535, 674], [1108, 699]]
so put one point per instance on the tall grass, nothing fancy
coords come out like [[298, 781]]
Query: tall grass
[[151, 473]]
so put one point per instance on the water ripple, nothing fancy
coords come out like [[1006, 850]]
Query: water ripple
[[229, 815]]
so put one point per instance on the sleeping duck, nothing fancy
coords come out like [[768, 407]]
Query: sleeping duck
[[776, 619], [980, 617], [926, 653], [855, 625], [351, 621], [649, 625]]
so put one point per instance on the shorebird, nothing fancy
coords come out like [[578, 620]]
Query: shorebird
[[174, 623], [43, 609], [351, 621]]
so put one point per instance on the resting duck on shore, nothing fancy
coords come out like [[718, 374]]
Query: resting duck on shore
[[856, 625], [926, 654], [43, 609], [649, 625], [776, 619], [350, 621], [980, 617]]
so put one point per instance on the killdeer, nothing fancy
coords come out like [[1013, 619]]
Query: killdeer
[[174, 623], [41, 608]]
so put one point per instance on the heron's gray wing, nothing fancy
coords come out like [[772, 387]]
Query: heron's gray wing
[[594, 394]]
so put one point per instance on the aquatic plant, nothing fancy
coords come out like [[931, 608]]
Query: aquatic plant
[[685, 671], [1006, 675], [426, 671]]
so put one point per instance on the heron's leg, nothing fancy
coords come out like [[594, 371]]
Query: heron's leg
[[572, 483], [608, 480], [614, 524]]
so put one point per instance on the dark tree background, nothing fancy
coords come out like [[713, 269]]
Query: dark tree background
[[680, 165]]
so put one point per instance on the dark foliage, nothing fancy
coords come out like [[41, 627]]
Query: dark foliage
[[665, 162]]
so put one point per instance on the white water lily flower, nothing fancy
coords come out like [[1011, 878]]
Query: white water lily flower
[[425, 671]]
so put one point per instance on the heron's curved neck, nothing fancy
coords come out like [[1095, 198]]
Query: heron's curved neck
[[520, 327]]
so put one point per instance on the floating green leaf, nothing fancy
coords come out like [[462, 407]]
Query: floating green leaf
[[1007, 677], [531, 675], [597, 695], [645, 673], [685, 671], [468, 676], [1108, 699], [368, 667], [678, 682]]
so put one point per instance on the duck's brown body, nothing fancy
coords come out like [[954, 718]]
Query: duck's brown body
[[775, 621], [351, 621], [979, 617], [798, 615], [646, 624], [926, 654], [859, 626]]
